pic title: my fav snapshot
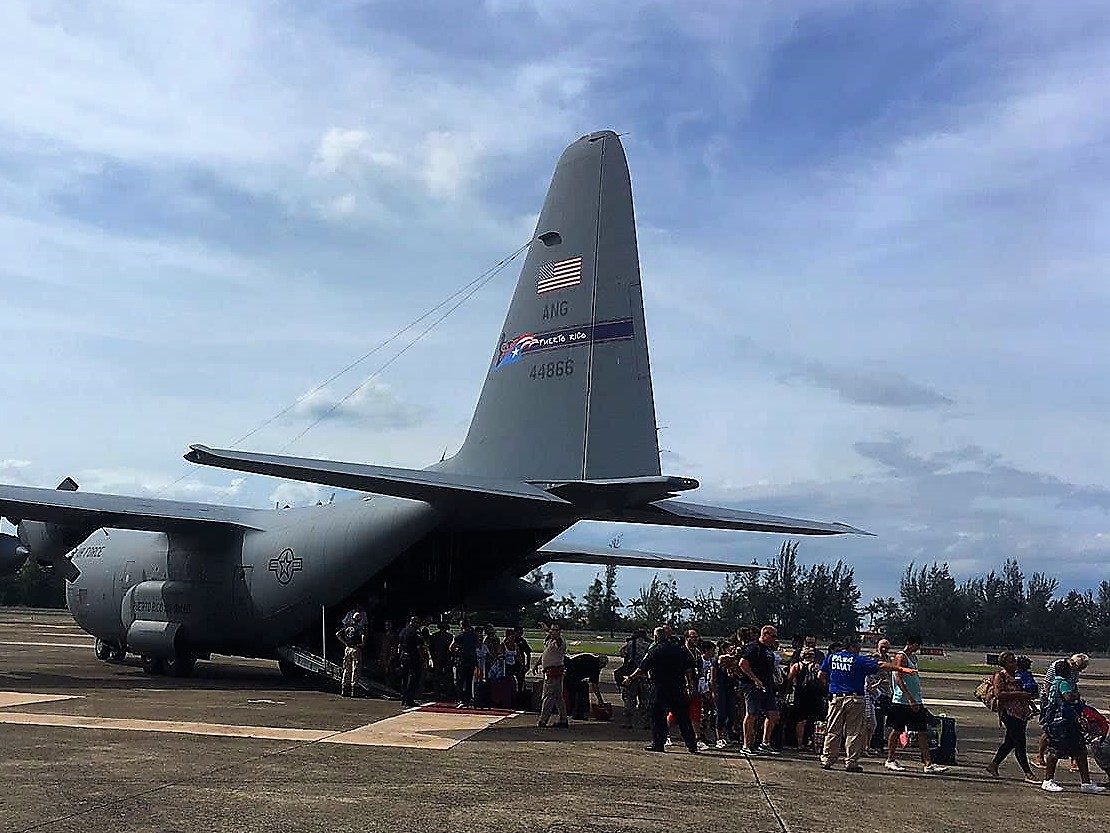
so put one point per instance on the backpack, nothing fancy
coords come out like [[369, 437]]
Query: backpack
[[986, 694]]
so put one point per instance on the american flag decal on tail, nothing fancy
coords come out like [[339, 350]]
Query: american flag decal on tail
[[560, 274]]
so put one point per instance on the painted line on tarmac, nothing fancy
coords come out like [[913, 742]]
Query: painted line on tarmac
[[73, 721], [18, 698], [88, 644], [955, 704], [24, 624], [409, 730], [419, 730]]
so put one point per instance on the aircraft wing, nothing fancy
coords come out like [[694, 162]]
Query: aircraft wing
[[680, 513], [382, 480], [555, 553], [91, 510]]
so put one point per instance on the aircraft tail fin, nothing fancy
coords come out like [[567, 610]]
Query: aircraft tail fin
[[568, 391]]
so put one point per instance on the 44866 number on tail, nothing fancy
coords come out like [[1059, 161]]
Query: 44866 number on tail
[[550, 370]]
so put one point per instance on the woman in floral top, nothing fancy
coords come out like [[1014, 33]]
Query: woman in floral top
[[1015, 707]]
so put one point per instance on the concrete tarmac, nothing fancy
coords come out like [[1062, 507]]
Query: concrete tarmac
[[92, 746]]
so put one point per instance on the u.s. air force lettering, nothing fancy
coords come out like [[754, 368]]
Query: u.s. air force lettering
[[285, 565]]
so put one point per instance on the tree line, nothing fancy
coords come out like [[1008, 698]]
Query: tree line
[[818, 599], [1003, 608], [33, 586]]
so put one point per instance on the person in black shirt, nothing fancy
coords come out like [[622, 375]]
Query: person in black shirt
[[674, 675], [411, 660], [581, 673], [439, 646], [464, 647], [757, 681]]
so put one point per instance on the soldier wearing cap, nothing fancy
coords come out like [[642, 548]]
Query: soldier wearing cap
[[353, 637]]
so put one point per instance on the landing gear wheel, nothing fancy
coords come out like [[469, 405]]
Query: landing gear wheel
[[153, 665], [103, 650], [290, 670], [119, 653], [180, 665]]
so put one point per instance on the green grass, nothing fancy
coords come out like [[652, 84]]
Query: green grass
[[580, 642]]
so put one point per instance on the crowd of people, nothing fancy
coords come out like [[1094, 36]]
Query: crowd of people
[[741, 692], [744, 692], [469, 666]]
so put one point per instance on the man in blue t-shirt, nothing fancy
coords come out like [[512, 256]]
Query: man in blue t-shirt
[[845, 673]]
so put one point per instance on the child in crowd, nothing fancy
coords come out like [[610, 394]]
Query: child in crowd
[[1024, 675]]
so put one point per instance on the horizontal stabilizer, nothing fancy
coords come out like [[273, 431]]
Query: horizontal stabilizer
[[426, 485], [93, 511], [678, 513], [555, 553]]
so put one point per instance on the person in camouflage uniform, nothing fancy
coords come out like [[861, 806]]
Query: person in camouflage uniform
[[639, 695], [353, 637]]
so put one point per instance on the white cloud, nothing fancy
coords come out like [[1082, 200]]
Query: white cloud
[[374, 405], [295, 494], [342, 206], [349, 152], [450, 162], [157, 484]]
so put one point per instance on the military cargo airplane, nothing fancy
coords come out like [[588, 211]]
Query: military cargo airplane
[[564, 431]]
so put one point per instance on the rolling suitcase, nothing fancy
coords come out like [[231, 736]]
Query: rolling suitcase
[[942, 741], [522, 699], [501, 693]]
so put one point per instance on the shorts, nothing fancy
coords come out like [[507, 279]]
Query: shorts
[[899, 716], [759, 701], [1065, 740]]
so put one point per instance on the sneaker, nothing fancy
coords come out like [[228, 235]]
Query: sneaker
[[668, 742], [826, 764], [853, 768], [563, 725], [748, 751], [767, 749], [1032, 779], [992, 768], [1091, 787], [894, 766], [652, 749], [721, 744], [1050, 786], [934, 769], [703, 746]]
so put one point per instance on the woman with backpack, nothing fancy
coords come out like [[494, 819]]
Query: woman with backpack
[[1015, 707], [1060, 720]]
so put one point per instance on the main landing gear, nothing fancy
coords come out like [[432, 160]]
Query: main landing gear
[[109, 651], [179, 665]]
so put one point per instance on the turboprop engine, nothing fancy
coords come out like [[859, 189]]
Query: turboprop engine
[[48, 543], [12, 554]]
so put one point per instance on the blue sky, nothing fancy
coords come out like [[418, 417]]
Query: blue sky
[[872, 239]]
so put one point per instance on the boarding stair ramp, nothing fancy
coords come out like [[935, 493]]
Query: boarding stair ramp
[[320, 666]]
